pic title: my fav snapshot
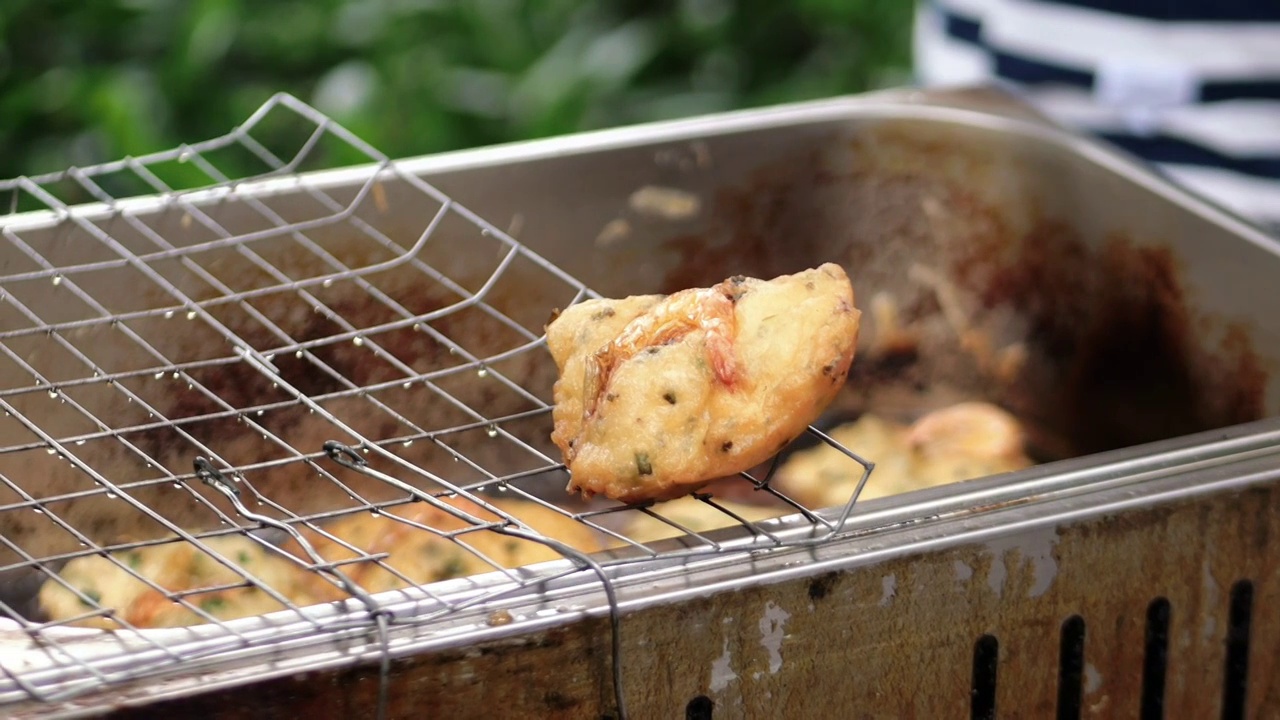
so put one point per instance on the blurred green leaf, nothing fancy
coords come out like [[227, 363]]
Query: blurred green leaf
[[87, 82]]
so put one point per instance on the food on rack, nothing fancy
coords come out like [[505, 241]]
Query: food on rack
[[693, 514], [963, 441], [659, 395], [422, 555], [179, 567], [418, 555]]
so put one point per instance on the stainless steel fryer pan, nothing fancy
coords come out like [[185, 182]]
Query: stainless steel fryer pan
[[1131, 572]]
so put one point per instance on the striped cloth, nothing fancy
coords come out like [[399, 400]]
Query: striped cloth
[[1192, 86]]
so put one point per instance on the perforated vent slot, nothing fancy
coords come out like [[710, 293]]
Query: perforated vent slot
[[699, 708], [1235, 681], [1071, 668], [1071, 663], [1155, 660], [986, 656]]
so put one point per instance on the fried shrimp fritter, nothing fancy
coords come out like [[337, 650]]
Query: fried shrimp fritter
[[960, 442], [692, 514], [178, 567], [407, 553], [657, 396], [425, 556]]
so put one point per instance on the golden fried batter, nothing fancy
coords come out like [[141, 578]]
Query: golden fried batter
[[178, 567], [659, 395], [420, 556], [964, 441], [695, 515], [425, 557]]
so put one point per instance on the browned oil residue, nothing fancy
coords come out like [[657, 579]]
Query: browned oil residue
[[747, 220], [1116, 325], [1114, 358]]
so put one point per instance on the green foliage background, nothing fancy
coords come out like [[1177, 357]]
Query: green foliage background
[[84, 81]]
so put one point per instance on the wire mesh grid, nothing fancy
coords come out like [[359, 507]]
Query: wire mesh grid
[[246, 405]]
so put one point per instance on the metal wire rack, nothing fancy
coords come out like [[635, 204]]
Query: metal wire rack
[[215, 356]]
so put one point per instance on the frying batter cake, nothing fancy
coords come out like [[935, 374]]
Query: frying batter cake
[[659, 395]]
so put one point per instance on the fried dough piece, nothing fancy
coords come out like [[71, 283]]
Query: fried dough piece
[[178, 567], [960, 442], [419, 555], [423, 556], [695, 515], [659, 395], [822, 477]]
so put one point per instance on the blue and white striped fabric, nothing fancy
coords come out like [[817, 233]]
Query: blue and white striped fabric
[[1190, 85]]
